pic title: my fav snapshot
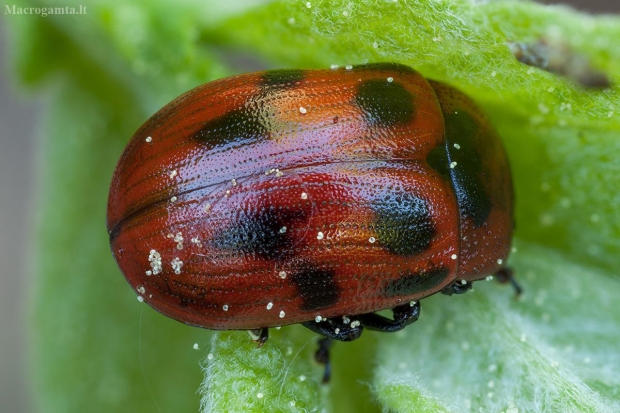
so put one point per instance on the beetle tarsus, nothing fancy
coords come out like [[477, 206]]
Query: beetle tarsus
[[403, 316], [337, 328], [505, 275]]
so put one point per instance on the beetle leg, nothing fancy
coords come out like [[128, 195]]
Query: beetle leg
[[259, 335], [505, 275], [336, 328], [322, 357], [403, 316], [457, 287]]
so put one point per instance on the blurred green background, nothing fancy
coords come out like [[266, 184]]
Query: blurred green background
[[26, 119]]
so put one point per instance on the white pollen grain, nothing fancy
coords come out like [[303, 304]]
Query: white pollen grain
[[176, 265], [355, 324], [337, 330], [149, 273], [282, 230], [227, 194], [282, 314], [390, 79], [345, 13], [149, 139], [225, 307], [457, 146], [208, 207], [210, 356], [173, 174], [260, 395], [196, 346], [233, 182], [412, 303], [348, 67], [489, 278], [500, 261], [302, 378], [318, 319], [155, 260], [140, 298], [282, 274], [302, 110], [141, 289], [345, 319], [292, 403], [452, 165], [320, 235], [463, 282], [173, 199], [371, 240], [304, 195], [308, 5], [453, 256], [269, 305]]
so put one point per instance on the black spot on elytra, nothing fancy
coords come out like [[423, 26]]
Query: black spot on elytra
[[413, 283], [437, 159], [316, 287], [468, 175], [239, 125], [404, 224], [262, 234], [283, 78], [385, 103]]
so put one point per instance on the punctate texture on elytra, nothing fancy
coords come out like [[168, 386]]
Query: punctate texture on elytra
[[278, 197]]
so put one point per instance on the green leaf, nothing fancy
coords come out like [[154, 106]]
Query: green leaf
[[95, 348]]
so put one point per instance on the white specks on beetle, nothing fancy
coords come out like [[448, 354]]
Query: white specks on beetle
[[278, 327], [227, 194], [176, 265], [390, 79], [452, 165], [173, 199], [196, 242], [345, 319], [282, 314], [149, 139], [412, 303], [155, 260], [320, 236], [282, 230], [355, 324], [333, 67], [371, 240], [269, 305], [140, 298], [282, 274], [274, 171], [463, 282], [457, 146], [173, 174], [453, 256], [148, 273], [348, 67], [337, 330], [178, 238], [225, 307], [304, 195], [233, 182], [210, 356], [489, 278], [195, 347], [500, 261], [302, 110], [207, 207], [318, 319], [140, 288]]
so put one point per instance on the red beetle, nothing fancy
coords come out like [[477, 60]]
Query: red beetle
[[311, 196]]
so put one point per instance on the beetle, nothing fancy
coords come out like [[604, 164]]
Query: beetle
[[311, 196]]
